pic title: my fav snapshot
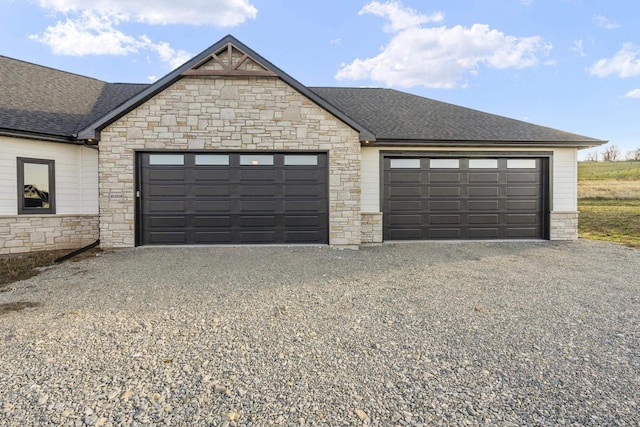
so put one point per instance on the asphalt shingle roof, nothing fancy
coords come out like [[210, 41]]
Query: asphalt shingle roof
[[397, 116], [43, 100]]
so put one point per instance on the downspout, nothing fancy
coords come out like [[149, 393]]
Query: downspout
[[77, 252]]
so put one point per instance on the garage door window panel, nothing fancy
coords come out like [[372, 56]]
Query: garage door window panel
[[404, 163], [256, 160], [212, 160], [166, 159], [444, 163], [521, 164], [483, 163], [300, 160]]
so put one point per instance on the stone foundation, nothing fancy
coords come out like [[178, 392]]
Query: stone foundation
[[564, 226], [371, 227], [33, 233]]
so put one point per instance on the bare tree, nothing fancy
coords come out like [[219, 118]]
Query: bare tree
[[611, 154], [592, 156], [634, 154]]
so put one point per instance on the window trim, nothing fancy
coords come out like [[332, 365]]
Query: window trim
[[22, 210]]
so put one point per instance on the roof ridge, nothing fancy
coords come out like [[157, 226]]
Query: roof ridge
[[128, 83]]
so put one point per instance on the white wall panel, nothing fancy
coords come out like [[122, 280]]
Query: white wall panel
[[370, 195], [565, 180], [76, 179]]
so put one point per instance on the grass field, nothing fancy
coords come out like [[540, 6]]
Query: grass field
[[609, 201], [606, 171]]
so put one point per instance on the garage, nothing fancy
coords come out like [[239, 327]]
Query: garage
[[231, 198], [428, 197]]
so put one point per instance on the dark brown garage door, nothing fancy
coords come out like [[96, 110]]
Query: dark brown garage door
[[218, 198], [464, 198]]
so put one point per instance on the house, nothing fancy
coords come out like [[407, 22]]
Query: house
[[229, 149]]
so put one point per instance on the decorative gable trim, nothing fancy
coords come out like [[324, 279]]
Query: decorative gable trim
[[229, 61]]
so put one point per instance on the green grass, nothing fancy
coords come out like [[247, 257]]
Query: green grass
[[603, 171], [609, 201], [613, 220]]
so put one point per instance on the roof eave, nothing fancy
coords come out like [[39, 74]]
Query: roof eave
[[14, 133], [485, 143], [92, 131]]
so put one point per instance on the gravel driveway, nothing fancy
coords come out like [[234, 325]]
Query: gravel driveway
[[526, 333]]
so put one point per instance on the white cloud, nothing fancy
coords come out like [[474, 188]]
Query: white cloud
[[604, 22], [90, 34], [633, 94], [96, 34], [625, 63], [439, 57], [400, 17], [167, 54], [219, 13], [94, 27], [578, 48]]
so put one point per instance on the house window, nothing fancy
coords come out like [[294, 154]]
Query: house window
[[36, 186]]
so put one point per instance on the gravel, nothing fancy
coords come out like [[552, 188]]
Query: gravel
[[475, 333]]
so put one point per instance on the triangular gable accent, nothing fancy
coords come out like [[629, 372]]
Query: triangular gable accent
[[229, 61], [254, 64]]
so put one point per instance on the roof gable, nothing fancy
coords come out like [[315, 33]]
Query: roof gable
[[227, 57]]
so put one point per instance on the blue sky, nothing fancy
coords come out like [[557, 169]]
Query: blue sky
[[569, 64]]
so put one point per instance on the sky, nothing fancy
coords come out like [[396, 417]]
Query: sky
[[572, 65]]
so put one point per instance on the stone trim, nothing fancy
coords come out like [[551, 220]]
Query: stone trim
[[33, 233], [563, 225], [371, 224]]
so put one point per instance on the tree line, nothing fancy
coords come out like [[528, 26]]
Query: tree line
[[612, 154]]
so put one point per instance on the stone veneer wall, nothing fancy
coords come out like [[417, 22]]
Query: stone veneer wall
[[31, 233], [564, 226], [252, 113], [371, 227]]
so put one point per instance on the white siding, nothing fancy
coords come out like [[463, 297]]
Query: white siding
[[565, 180], [370, 175], [76, 179], [563, 176]]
